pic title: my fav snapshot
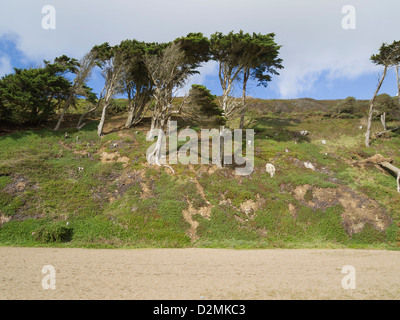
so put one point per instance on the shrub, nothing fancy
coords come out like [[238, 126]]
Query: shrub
[[53, 233], [118, 106], [348, 106], [202, 103], [385, 103]]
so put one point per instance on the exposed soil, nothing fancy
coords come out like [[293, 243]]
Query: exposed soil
[[204, 211], [358, 208]]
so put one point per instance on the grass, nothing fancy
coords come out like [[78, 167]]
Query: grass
[[102, 206]]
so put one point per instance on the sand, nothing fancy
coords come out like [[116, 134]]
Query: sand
[[198, 274]]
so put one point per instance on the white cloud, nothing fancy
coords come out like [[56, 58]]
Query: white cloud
[[314, 42], [208, 69], [5, 66]]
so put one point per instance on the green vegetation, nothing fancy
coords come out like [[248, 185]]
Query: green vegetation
[[80, 191]]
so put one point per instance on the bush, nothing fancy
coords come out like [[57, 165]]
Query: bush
[[32, 95], [118, 106], [53, 233], [202, 102], [348, 106], [385, 103]]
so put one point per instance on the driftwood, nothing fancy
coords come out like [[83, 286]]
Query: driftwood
[[380, 134], [384, 163], [394, 169]]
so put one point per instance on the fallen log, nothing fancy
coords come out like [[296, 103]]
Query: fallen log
[[376, 159], [394, 169], [380, 134], [383, 162]]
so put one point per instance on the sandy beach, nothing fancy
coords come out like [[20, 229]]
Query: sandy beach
[[197, 274]]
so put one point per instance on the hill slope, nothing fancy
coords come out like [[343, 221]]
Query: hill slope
[[92, 192]]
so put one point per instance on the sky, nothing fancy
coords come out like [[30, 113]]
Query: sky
[[322, 58]]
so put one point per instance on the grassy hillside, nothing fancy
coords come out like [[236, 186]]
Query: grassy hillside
[[118, 200]]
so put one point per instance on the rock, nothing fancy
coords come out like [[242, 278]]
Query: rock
[[270, 168], [323, 141], [309, 165]]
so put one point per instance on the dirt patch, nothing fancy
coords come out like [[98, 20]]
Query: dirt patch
[[4, 219], [293, 210], [125, 181], [146, 185], [358, 208], [106, 157], [18, 185], [204, 211], [188, 216]]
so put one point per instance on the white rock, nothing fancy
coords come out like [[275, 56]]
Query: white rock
[[309, 165], [323, 141], [270, 169], [304, 133]]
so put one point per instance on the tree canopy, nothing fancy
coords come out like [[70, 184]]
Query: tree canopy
[[242, 55], [32, 95]]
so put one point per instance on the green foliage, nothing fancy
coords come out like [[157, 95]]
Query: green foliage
[[368, 235], [389, 54], [117, 106], [255, 55], [32, 95], [348, 106], [9, 204], [53, 232], [4, 180], [385, 103], [106, 209], [202, 103]]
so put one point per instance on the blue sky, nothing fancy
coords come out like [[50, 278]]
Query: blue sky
[[321, 59]]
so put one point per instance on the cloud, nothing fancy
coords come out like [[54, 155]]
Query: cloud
[[5, 66], [314, 42], [208, 69]]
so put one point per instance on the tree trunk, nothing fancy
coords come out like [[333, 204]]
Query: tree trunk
[[245, 78], [79, 126], [102, 120], [155, 156], [221, 146], [398, 83], [371, 109], [66, 106], [395, 170], [129, 121], [131, 111], [383, 120], [379, 134]]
